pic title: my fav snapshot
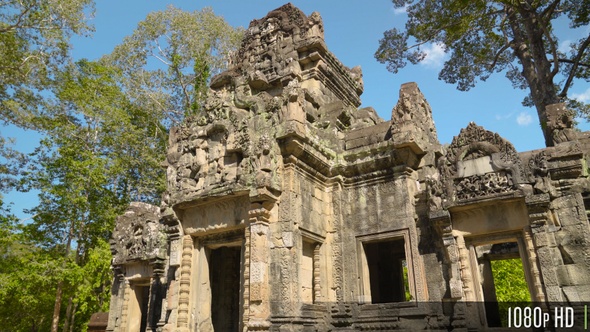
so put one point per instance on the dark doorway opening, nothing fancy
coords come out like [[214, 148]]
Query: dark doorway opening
[[388, 274], [224, 275], [142, 294]]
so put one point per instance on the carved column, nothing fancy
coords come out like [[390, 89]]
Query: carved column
[[168, 280], [125, 305], [259, 259], [116, 301], [535, 237], [442, 221], [466, 276], [538, 293], [317, 288], [185, 283], [246, 299]]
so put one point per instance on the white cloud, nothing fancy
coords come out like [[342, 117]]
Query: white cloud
[[524, 119], [583, 97], [564, 46], [435, 55], [501, 117], [400, 10]]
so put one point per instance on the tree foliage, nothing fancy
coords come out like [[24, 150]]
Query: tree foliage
[[104, 125], [486, 37], [509, 280], [34, 44], [99, 153], [510, 286], [167, 61]]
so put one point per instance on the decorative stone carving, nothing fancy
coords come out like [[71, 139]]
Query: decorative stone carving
[[560, 124], [185, 283], [483, 185], [434, 193], [539, 166], [411, 119], [138, 236], [479, 163]]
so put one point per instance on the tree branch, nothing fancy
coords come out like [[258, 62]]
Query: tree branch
[[572, 61], [18, 22], [179, 75], [497, 56], [437, 31], [550, 40], [576, 63], [507, 42], [548, 12]]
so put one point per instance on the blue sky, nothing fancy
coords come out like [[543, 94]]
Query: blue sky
[[352, 31]]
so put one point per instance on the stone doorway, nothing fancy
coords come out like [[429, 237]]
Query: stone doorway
[[502, 278], [138, 307], [224, 275], [386, 269]]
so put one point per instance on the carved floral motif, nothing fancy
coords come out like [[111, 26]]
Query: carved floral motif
[[482, 185]]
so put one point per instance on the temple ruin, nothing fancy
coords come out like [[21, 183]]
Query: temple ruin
[[288, 208]]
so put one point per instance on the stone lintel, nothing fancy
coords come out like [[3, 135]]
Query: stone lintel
[[467, 204], [265, 196], [203, 199]]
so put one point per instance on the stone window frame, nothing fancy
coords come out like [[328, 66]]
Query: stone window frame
[[307, 236], [414, 274]]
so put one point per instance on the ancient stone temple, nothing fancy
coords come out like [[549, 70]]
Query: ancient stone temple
[[290, 209]]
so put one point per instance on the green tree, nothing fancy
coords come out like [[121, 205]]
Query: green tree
[[34, 44], [27, 276], [486, 37], [167, 61], [510, 286], [105, 130], [99, 152]]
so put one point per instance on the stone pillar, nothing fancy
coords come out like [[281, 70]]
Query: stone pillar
[[258, 252], [442, 221], [466, 275], [125, 305], [182, 321], [246, 273], [536, 242], [532, 264], [116, 301], [317, 288], [167, 279]]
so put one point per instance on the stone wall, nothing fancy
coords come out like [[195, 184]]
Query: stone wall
[[289, 209]]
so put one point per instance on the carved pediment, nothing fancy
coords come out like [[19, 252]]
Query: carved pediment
[[138, 235], [479, 163]]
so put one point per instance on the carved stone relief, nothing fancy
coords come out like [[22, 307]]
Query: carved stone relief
[[138, 236], [493, 165]]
